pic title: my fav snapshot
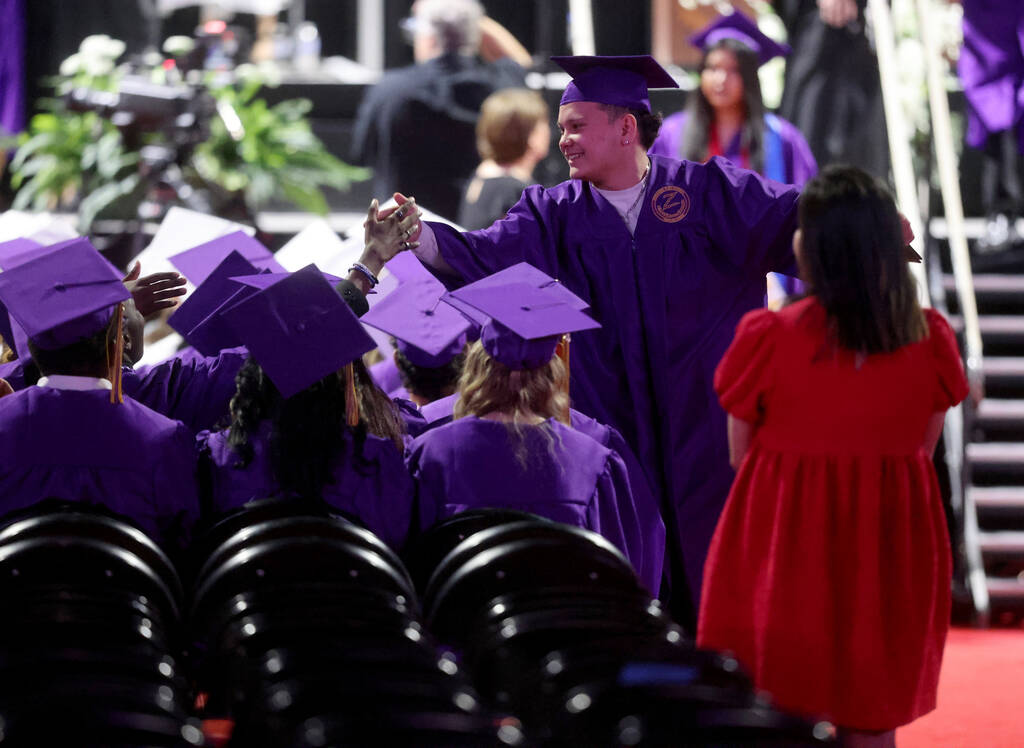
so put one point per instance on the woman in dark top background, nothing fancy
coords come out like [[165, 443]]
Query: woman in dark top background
[[513, 135]]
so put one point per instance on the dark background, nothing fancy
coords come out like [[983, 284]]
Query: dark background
[[55, 28]]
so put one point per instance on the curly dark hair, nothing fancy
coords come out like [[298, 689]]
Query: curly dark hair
[[648, 124], [307, 437], [429, 383]]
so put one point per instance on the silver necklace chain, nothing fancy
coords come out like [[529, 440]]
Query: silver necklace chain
[[639, 195]]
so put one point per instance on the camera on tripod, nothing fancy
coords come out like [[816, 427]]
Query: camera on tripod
[[141, 106]]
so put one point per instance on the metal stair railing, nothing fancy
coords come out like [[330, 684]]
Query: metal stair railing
[[955, 432]]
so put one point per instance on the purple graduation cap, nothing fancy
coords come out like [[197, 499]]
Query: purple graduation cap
[[522, 272], [64, 296], [299, 330], [18, 251], [526, 322], [267, 279], [427, 332], [194, 314], [212, 334], [198, 262], [741, 28], [406, 267], [618, 81]]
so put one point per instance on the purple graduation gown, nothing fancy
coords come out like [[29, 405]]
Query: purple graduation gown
[[569, 478], [189, 387], [385, 374], [12, 66], [794, 163], [375, 487], [668, 300], [652, 527], [78, 446], [415, 423], [14, 373], [991, 69]]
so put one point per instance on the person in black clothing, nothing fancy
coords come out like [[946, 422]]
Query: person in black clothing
[[416, 126], [832, 91], [513, 135]]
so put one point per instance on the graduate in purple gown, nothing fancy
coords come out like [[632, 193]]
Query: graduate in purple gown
[[726, 116], [991, 69], [669, 255], [652, 527], [73, 436], [509, 445], [12, 66], [307, 421]]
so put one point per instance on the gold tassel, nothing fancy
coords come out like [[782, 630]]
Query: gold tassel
[[563, 353], [116, 393], [351, 397]]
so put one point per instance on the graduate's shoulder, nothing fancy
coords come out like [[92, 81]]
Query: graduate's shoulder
[[582, 436], [380, 451], [150, 422]]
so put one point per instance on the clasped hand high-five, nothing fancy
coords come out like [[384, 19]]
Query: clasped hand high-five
[[392, 230]]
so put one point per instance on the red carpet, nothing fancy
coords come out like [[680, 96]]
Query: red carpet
[[981, 694]]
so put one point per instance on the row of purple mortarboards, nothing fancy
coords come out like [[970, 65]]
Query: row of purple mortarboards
[[295, 325]]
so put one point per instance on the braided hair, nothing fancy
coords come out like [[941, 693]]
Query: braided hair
[[308, 430]]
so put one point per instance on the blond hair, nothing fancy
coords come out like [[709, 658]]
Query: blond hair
[[507, 120], [488, 386]]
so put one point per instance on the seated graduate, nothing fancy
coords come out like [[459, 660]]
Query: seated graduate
[[73, 436], [510, 445], [306, 419], [429, 338], [192, 388]]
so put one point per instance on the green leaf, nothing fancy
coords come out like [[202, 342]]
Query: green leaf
[[102, 198], [305, 196]]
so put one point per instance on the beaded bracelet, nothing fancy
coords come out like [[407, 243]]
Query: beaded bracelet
[[365, 271]]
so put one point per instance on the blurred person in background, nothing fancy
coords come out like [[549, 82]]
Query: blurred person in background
[[513, 135], [416, 126]]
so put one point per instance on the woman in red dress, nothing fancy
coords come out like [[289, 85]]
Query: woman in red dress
[[829, 572]]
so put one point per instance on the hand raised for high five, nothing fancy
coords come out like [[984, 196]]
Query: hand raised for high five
[[154, 293], [385, 234], [388, 232]]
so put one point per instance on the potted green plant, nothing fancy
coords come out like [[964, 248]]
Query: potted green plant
[[254, 152]]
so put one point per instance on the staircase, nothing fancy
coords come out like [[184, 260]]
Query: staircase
[[993, 471]]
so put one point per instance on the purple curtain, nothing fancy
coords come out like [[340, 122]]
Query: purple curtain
[[12, 66]]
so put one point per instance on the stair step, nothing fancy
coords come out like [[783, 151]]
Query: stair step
[[1007, 327], [997, 411], [996, 453], [1002, 542], [997, 497], [1005, 588], [974, 228], [990, 284], [1003, 366]]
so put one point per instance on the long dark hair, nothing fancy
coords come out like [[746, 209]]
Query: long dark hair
[[694, 144], [853, 260], [307, 436]]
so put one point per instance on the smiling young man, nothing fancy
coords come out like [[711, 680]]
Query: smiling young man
[[669, 255]]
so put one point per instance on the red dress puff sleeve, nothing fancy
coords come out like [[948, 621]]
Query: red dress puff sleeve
[[952, 382], [744, 373]]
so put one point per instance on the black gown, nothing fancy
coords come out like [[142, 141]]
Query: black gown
[[417, 127], [832, 90]]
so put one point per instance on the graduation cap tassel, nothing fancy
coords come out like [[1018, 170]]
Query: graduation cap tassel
[[116, 394], [351, 397], [563, 353]]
